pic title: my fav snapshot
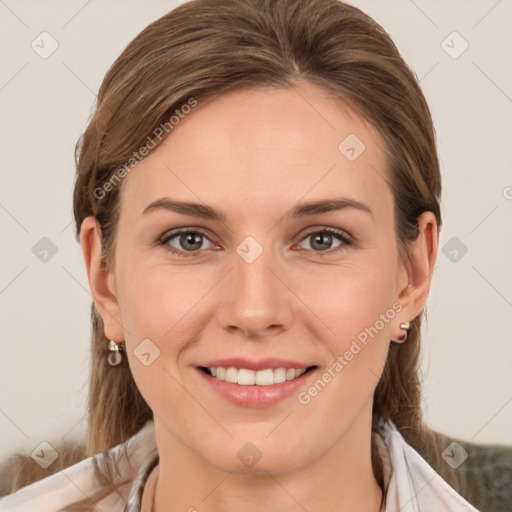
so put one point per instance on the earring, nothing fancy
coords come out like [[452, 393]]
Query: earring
[[406, 326], [114, 357]]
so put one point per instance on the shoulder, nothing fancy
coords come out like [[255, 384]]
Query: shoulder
[[484, 471], [78, 482], [412, 482], [54, 492]]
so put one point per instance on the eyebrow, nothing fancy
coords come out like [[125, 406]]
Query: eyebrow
[[301, 210]]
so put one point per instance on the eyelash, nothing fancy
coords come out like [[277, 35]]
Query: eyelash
[[163, 241]]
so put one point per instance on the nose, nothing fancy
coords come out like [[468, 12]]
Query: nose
[[256, 301]]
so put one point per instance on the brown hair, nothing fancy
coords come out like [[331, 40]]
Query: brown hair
[[202, 49]]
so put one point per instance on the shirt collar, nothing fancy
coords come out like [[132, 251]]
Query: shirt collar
[[139, 491]]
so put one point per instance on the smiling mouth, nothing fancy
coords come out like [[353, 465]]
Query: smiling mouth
[[246, 377]]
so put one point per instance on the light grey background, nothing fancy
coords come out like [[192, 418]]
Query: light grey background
[[45, 103]]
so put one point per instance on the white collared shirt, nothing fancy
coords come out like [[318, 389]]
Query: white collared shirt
[[413, 485]]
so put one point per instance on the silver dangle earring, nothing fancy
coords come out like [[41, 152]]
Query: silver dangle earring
[[114, 357], [403, 339]]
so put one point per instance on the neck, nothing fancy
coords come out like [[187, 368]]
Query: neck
[[342, 479]]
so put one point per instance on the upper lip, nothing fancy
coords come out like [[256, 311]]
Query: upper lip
[[262, 364]]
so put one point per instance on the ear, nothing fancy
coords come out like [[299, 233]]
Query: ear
[[416, 274], [101, 279]]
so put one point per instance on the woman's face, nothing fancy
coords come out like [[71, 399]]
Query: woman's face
[[262, 275]]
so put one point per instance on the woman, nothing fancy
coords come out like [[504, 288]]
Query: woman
[[257, 200]]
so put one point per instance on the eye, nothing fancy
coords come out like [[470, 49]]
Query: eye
[[188, 241], [322, 239], [191, 242]]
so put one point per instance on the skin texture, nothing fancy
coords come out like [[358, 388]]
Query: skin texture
[[254, 154]]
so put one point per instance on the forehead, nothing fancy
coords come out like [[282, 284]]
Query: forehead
[[255, 149]]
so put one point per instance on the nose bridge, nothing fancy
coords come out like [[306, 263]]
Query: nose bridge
[[257, 299]]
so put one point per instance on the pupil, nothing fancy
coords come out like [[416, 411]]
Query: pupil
[[191, 238], [322, 238]]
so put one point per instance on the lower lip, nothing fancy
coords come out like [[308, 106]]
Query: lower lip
[[256, 396]]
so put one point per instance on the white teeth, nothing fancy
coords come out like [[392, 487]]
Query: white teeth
[[264, 377], [290, 374], [246, 377], [279, 375], [231, 375]]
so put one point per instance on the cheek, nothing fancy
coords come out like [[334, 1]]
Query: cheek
[[351, 299], [358, 306], [359, 311], [157, 311], [157, 300]]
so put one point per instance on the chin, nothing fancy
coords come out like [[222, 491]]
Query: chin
[[257, 458]]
